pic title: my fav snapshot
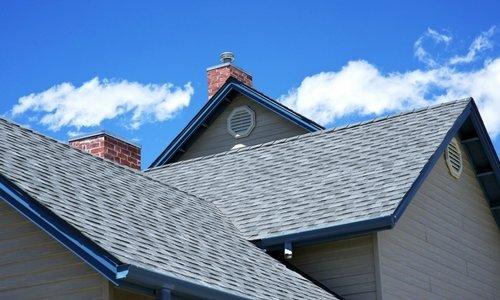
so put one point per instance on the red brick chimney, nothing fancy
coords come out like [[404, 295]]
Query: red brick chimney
[[218, 75], [106, 145]]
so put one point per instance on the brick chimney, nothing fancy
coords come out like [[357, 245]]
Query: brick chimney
[[219, 74], [106, 145]]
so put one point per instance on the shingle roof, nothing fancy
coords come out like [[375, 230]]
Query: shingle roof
[[321, 179], [144, 222]]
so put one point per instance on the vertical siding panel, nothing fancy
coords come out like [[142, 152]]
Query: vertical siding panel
[[35, 266], [347, 267], [446, 244]]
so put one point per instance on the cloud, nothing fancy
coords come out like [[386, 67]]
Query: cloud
[[98, 100], [360, 89], [481, 43], [421, 53]]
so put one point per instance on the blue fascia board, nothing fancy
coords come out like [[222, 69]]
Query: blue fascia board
[[327, 233], [60, 230], [278, 108], [485, 140], [452, 132], [156, 281], [209, 108]]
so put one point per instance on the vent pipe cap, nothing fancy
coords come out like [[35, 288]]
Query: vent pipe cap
[[227, 57]]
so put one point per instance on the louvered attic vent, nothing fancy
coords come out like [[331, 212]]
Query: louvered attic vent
[[453, 157], [241, 122]]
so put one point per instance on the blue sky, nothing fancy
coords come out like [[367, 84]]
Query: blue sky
[[144, 65]]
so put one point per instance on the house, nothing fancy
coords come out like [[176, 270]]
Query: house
[[254, 201]]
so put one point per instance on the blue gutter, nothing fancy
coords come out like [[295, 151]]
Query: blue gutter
[[212, 105], [327, 234], [60, 230], [158, 281], [376, 224]]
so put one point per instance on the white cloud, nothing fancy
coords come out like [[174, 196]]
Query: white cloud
[[359, 88], [98, 100], [481, 43], [422, 54]]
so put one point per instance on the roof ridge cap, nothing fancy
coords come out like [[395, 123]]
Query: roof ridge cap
[[309, 134]]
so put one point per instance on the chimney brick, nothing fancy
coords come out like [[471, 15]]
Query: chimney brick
[[105, 145], [218, 75]]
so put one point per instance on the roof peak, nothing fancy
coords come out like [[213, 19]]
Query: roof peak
[[320, 132]]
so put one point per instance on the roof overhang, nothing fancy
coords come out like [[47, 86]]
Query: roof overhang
[[210, 109], [120, 274], [482, 153]]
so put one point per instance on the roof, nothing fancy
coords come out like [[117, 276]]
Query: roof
[[338, 181], [214, 106], [131, 227]]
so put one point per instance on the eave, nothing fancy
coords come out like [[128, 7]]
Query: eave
[[120, 274], [482, 153]]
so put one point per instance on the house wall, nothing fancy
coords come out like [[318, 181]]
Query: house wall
[[116, 293], [347, 267], [35, 266], [215, 139], [446, 245]]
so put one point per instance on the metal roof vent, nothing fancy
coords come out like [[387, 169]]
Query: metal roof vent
[[241, 121], [453, 157], [227, 57]]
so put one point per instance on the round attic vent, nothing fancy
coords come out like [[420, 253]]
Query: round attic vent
[[453, 157], [241, 122]]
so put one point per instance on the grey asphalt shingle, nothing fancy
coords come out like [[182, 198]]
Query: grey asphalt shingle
[[144, 222], [320, 179]]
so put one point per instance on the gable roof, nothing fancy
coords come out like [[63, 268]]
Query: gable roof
[[134, 229], [214, 106], [335, 182]]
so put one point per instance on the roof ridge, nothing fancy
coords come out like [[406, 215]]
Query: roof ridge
[[279, 103], [319, 132], [134, 171]]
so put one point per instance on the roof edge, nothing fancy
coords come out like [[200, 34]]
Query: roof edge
[[143, 277], [327, 233], [307, 135], [453, 131], [102, 261], [380, 223], [72, 239]]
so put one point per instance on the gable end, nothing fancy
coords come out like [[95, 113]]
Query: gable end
[[214, 107]]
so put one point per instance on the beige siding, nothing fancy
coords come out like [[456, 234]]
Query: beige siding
[[346, 267], [121, 294], [269, 127], [35, 266], [446, 244]]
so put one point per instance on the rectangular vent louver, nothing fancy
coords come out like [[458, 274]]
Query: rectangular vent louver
[[453, 157]]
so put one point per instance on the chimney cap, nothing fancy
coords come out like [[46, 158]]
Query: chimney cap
[[103, 133], [227, 57]]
